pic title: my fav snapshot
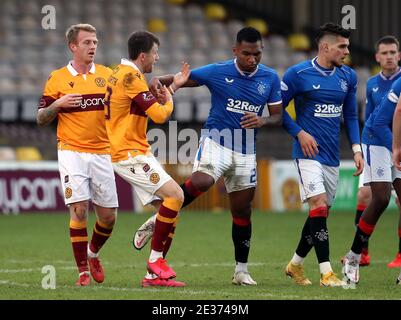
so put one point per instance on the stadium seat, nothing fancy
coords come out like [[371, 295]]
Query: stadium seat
[[179, 2], [299, 41], [7, 154], [215, 11], [28, 154], [233, 26], [258, 24], [9, 105], [157, 25]]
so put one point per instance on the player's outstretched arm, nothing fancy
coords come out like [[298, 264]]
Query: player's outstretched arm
[[46, 115], [160, 112]]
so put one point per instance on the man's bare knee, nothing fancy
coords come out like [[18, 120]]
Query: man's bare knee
[[202, 181], [79, 210], [177, 194]]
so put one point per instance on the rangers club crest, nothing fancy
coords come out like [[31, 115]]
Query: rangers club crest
[[344, 85], [261, 88]]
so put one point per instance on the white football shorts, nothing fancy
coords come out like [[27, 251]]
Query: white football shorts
[[86, 176], [316, 178], [378, 165], [238, 169], [145, 174]]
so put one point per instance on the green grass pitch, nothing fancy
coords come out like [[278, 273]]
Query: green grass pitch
[[202, 256]]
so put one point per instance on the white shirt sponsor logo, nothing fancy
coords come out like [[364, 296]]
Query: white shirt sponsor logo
[[229, 80], [284, 87], [316, 87], [92, 102], [240, 106], [328, 110], [375, 89]]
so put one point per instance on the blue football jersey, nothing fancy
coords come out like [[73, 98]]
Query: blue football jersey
[[378, 129], [376, 88], [232, 93], [322, 97]]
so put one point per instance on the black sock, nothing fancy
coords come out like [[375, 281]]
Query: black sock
[[320, 238], [358, 215], [357, 218], [241, 236], [305, 243], [189, 196], [359, 241]]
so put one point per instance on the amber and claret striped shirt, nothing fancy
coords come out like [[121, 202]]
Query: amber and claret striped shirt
[[128, 104], [83, 128]]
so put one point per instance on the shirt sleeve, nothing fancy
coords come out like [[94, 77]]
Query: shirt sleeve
[[384, 117], [275, 94], [138, 91], [50, 93], [369, 103], [202, 75], [350, 112], [289, 90]]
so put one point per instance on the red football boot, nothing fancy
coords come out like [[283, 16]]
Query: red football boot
[[161, 269], [365, 259], [157, 282], [396, 263], [84, 279], [96, 269]]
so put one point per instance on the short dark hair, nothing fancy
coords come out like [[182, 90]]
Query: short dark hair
[[248, 34], [387, 40], [332, 29], [141, 41]]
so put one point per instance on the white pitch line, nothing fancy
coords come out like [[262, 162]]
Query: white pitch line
[[184, 292]]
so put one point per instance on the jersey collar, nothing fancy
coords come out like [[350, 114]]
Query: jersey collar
[[319, 69], [75, 72], [127, 62], [392, 76], [242, 72]]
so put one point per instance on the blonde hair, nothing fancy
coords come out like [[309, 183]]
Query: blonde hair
[[72, 32]]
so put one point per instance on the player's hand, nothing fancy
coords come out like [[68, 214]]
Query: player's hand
[[181, 77], [164, 95], [251, 121], [71, 100], [397, 157], [155, 87], [308, 144], [358, 159]]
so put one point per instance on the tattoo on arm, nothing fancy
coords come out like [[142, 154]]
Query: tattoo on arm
[[46, 116]]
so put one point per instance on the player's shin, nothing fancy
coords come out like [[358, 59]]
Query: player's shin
[[305, 243], [319, 233], [241, 235], [79, 241], [164, 222], [362, 235], [169, 239], [101, 233]]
